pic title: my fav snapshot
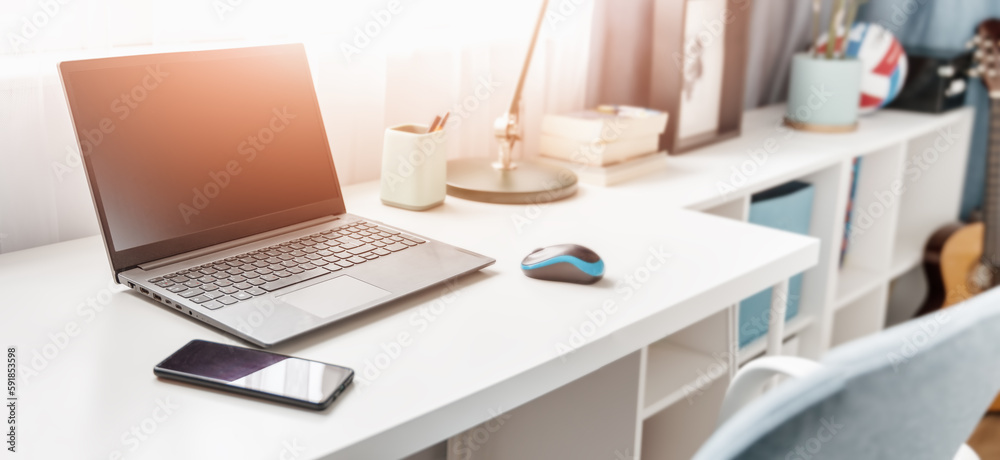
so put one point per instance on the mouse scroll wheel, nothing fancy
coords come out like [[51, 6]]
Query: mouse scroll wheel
[[536, 250]]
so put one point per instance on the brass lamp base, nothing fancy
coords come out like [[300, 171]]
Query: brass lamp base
[[477, 179], [821, 128]]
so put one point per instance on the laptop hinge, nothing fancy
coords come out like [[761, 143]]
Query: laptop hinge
[[234, 243]]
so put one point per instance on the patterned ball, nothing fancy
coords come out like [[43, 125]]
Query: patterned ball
[[883, 63]]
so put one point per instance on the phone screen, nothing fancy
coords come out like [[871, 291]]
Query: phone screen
[[253, 371]]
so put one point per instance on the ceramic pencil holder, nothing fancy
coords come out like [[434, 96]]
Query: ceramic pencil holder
[[823, 94], [413, 167]]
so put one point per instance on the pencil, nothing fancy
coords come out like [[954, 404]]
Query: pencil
[[815, 27]]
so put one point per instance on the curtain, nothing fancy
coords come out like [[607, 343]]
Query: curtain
[[428, 57], [778, 30], [375, 63], [621, 46]]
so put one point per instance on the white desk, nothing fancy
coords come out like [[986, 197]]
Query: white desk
[[492, 345]]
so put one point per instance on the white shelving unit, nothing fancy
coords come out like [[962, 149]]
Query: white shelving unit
[[910, 183], [681, 366], [792, 328]]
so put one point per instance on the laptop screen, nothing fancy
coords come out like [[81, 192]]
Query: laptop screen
[[199, 148]]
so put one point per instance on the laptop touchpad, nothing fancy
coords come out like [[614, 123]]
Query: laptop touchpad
[[335, 296]]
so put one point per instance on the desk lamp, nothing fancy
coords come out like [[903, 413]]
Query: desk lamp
[[505, 181]]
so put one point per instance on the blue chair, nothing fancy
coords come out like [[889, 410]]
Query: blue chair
[[914, 391]]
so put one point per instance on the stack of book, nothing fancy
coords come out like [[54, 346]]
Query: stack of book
[[605, 146]]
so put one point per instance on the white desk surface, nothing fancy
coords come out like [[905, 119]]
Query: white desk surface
[[490, 348]]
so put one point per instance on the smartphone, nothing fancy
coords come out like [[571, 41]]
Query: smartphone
[[296, 381]]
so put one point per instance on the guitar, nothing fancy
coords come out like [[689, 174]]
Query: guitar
[[962, 260]]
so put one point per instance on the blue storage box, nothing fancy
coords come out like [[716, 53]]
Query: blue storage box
[[787, 207]]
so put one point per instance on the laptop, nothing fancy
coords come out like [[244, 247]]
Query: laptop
[[217, 195]]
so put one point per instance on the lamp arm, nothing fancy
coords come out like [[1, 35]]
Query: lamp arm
[[507, 126], [515, 104]]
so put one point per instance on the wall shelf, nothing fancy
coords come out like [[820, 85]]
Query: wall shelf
[[680, 386]]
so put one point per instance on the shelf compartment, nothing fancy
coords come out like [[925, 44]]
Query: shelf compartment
[[934, 162], [686, 362], [792, 327], [855, 282], [674, 373], [907, 294], [557, 425], [907, 254], [861, 317], [819, 282], [679, 431], [736, 209], [875, 209]]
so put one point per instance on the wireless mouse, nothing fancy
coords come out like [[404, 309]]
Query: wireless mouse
[[570, 263]]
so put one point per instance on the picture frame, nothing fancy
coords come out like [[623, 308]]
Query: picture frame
[[698, 70]]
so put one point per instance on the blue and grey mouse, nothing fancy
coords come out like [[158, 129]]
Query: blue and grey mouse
[[569, 263]]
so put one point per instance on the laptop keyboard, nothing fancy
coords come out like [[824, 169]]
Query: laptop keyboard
[[227, 281]]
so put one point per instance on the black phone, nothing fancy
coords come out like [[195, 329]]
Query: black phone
[[296, 381]]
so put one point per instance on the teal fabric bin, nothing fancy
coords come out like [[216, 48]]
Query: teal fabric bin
[[787, 207]]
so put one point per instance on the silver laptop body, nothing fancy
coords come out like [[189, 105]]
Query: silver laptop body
[[217, 195]]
